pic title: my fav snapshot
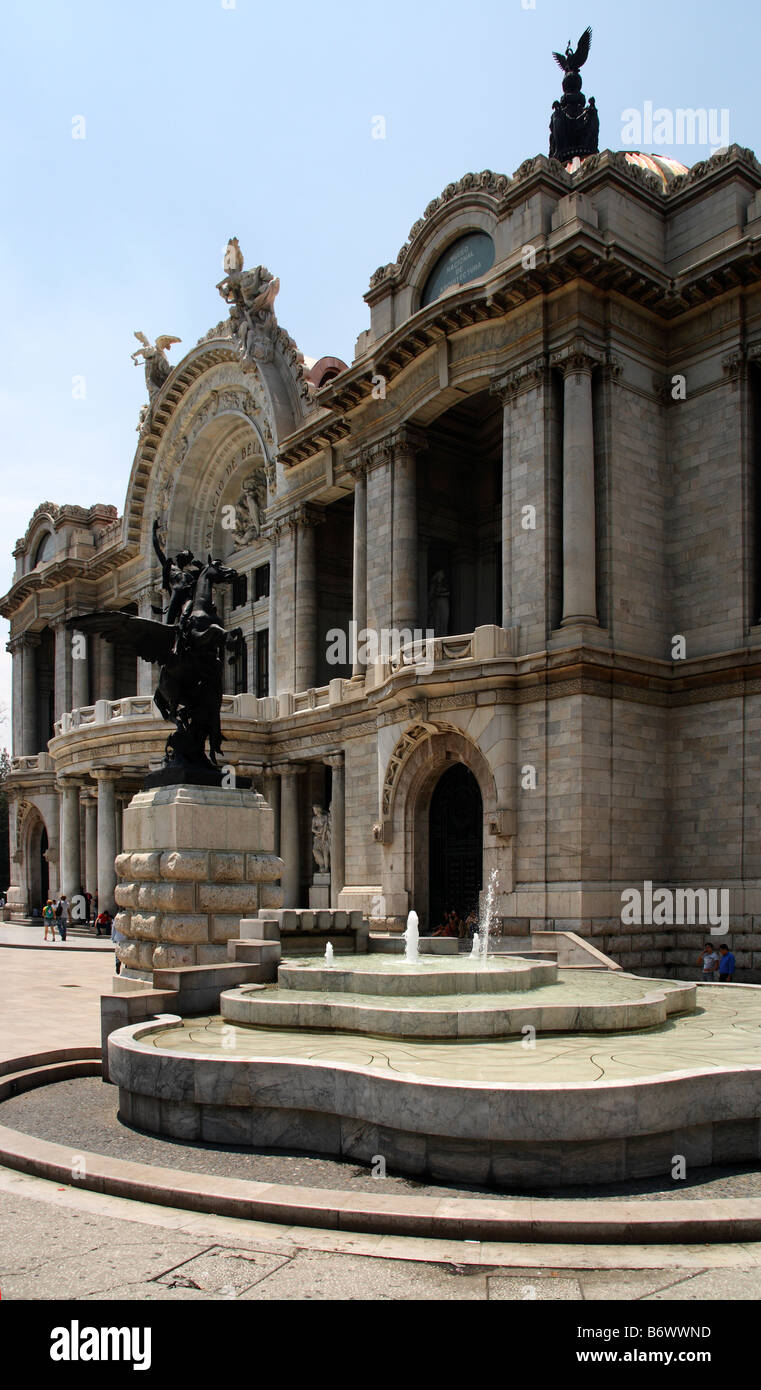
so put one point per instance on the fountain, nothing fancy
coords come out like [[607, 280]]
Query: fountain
[[426, 1063], [411, 939], [329, 955]]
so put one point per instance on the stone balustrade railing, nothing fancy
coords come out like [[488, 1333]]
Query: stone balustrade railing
[[36, 762], [142, 707]]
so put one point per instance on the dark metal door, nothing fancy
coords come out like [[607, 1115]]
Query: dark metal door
[[455, 845]]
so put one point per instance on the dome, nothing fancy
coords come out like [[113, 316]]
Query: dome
[[662, 165]]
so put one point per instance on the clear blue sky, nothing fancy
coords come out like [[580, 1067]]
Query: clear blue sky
[[204, 122]]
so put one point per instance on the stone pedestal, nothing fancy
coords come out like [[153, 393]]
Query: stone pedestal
[[319, 892], [195, 860]]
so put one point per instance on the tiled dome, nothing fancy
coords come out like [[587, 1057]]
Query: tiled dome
[[662, 165]]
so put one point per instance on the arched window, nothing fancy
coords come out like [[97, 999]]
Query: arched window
[[466, 259], [44, 549]]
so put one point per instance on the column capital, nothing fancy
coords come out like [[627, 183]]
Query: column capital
[[105, 774], [67, 782], [334, 760], [288, 769], [518, 379], [373, 453], [577, 355], [304, 516]]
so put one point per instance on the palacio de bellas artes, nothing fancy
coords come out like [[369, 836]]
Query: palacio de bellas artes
[[499, 576], [382, 903]]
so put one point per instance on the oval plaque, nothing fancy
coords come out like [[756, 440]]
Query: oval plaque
[[467, 258]]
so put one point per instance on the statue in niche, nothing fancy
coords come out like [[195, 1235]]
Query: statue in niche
[[249, 508], [321, 839], [438, 604]]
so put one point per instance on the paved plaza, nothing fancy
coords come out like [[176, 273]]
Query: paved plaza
[[57, 1240]]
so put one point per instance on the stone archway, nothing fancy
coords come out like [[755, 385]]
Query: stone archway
[[407, 850]]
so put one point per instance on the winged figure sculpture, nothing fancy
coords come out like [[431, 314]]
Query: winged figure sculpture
[[571, 60], [190, 649]]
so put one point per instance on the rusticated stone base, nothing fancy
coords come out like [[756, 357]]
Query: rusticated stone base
[[195, 860]]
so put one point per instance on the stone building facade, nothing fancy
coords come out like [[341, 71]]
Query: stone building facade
[[545, 452]]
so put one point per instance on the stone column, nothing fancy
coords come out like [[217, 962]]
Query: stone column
[[272, 797], [359, 566], [91, 842], [304, 521], [107, 670], [272, 643], [289, 833], [406, 444], [71, 864], [106, 778], [62, 668], [337, 827], [147, 672], [29, 731], [503, 388], [577, 363], [377, 460], [80, 670]]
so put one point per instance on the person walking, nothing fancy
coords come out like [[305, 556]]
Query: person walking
[[726, 966], [62, 915], [48, 917], [88, 908]]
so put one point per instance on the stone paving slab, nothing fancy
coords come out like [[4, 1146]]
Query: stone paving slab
[[51, 999]]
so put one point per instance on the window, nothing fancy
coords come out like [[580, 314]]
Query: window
[[240, 591], [239, 664], [44, 550], [263, 660], [261, 582]]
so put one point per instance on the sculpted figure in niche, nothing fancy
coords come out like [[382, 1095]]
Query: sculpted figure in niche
[[321, 839], [249, 508], [438, 604]]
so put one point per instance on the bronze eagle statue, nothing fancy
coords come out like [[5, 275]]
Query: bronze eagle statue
[[571, 61]]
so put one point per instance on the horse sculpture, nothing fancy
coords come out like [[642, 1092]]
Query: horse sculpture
[[191, 652]]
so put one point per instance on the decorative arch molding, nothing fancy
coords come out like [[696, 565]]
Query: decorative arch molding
[[269, 391], [406, 850], [417, 738], [483, 194], [29, 820]]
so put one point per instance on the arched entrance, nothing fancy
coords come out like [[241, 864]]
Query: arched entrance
[[38, 869], [455, 827]]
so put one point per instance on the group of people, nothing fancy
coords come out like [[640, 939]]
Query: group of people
[[59, 913], [716, 963], [463, 927]]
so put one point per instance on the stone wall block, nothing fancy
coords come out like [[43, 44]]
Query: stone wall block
[[166, 957], [227, 868], [123, 865], [188, 864], [211, 955], [167, 897], [225, 928], [126, 894], [228, 897], [128, 953], [271, 895], [145, 951], [184, 928], [145, 866], [145, 926], [263, 868]]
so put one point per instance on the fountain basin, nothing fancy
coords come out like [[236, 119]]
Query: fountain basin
[[432, 975], [575, 1108], [615, 1003]]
